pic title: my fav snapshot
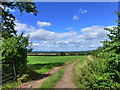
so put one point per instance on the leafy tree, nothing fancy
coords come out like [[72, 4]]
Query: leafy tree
[[8, 19], [62, 53], [95, 52], [111, 52], [15, 47]]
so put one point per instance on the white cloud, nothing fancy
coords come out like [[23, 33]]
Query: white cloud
[[82, 11], [94, 32], [43, 24], [35, 44], [76, 17], [42, 34], [69, 28], [88, 39], [85, 11], [20, 27]]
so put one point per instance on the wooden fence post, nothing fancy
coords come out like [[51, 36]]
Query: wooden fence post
[[14, 69]]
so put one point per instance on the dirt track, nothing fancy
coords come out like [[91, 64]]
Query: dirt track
[[66, 81], [36, 83]]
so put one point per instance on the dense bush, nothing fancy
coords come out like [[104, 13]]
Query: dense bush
[[93, 73], [103, 69], [111, 52], [15, 49]]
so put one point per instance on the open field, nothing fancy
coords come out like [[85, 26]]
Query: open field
[[42, 64], [54, 74]]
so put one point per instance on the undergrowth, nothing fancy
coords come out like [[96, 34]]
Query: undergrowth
[[92, 73], [10, 85]]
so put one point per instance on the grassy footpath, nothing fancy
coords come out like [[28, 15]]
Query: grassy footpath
[[51, 81]]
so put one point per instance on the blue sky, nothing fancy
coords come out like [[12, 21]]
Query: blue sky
[[67, 26]]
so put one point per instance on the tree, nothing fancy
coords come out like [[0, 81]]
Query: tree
[[62, 53], [8, 19], [15, 47], [111, 52]]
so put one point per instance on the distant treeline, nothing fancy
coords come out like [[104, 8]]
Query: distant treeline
[[75, 53]]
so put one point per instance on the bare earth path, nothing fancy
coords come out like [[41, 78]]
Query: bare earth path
[[66, 81], [36, 83]]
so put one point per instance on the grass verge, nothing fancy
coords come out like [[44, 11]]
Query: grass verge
[[51, 81], [76, 71]]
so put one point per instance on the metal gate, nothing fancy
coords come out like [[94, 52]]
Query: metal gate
[[7, 72]]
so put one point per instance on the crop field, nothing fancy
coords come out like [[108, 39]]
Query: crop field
[[42, 64]]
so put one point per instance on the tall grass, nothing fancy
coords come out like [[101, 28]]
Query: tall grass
[[92, 74]]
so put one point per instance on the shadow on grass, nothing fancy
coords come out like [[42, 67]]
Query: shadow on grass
[[47, 66], [34, 75]]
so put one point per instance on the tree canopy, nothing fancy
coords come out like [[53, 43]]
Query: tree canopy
[[15, 47]]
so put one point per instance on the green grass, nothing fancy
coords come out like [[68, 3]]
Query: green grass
[[51, 81], [77, 72], [49, 59], [42, 64]]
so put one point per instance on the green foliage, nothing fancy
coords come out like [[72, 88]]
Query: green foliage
[[33, 75], [14, 47], [95, 52], [111, 52], [23, 78], [62, 53], [104, 71], [92, 73], [72, 53], [8, 19]]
